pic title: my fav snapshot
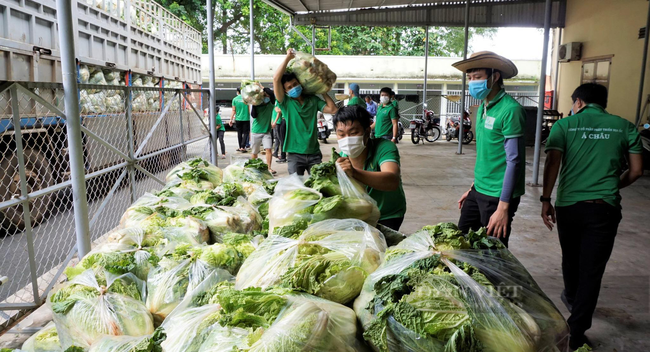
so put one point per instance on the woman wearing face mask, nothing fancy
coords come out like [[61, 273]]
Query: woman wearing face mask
[[373, 162], [386, 120], [261, 129]]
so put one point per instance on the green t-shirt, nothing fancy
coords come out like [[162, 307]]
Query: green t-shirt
[[274, 117], [219, 123], [302, 135], [262, 123], [241, 108], [506, 118], [383, 120], [593, 144], [391, 204], [357, 101]]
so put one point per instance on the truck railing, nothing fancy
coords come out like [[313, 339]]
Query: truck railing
[[126, 153]]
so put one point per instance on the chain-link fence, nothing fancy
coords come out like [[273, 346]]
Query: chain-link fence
[[132, 136]]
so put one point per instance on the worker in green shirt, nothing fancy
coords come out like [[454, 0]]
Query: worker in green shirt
[[299, 111], [221, 130], [499, 179], [373, 162], [354, 96], [242, 119], [386, 119], [280, 127], [590, 146], [261, 129]]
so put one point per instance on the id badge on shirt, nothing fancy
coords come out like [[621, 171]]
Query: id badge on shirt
[[489, 122]]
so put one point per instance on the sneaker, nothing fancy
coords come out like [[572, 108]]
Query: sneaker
[[281, 161], [223, 156], [567, 303], [275, 155]]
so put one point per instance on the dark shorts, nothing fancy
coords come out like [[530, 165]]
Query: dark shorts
[[299, 163]]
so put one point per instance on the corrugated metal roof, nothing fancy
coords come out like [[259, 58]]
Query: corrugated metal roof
[[483, 13]]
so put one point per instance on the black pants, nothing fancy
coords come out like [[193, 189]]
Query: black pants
[[299, 163], [477, 210], [280, 133], [243, 131], [587, 232], [221, 142], [394, 223]]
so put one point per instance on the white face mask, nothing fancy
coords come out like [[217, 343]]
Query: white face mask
[[352, 146], [384, 99]]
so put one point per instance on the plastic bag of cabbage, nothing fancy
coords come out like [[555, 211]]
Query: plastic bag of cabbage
[[335, 196], [217, 317], [187, 266], [314, 76], [440, 290], [331, 259], [134, 253], [196, 172], [147, 343], [88, 308], [249, 171], [252, 92], [46, 340]]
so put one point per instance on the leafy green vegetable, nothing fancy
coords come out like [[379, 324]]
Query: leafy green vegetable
[[322, 177], [148, 343], [294, 230], [196, 171], [80, 309]]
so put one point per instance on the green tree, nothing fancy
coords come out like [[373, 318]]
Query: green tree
[[273, 35]]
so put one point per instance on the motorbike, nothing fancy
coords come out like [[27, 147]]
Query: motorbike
[[453, 125], [324, 130], [427, 129]]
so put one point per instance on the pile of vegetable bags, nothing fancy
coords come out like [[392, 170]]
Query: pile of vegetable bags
[[328, 194], [252, 92], [218, 317], [440, 290], [314, 76], [234, 261]]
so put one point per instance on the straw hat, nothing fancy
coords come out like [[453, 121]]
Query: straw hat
[[488, 59]]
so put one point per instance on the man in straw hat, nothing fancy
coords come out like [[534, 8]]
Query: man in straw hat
[[499, 179]]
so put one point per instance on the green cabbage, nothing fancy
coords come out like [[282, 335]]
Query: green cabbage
[[314, 76], [148, 343], [196, 170], [46, 340], [86, 309]]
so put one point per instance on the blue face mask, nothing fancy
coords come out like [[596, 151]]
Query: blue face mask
[[295, 91], [267, 100], [479, 89]]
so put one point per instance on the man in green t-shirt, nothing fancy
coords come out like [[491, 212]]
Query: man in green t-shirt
[[499, 178], [242, 120], [373, 162], [354, 96], [261, 130], [299, 111], [386, 119], [221, 130], [590, 146]]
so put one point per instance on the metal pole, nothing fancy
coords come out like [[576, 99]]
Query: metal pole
[[426, 72], [73, 125], [313, 40], [252, 42], [542, 89], [557, 68], [130, 135], [464, 86], [643, 64], [213, 127]]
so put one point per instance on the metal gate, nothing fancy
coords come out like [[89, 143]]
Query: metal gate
[[131, 137]]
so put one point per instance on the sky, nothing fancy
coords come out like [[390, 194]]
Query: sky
[[513, 43]]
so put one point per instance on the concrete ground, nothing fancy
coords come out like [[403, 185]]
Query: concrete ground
[[434, 177]]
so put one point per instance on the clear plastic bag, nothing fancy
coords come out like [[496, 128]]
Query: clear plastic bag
[[247, 171], [46, 340], [217, 317], [196, 169], [252, 92], [147, 205], [241, 218], [291, 203], [330, 259], [183, 270], [147, 343], [314, 76], [130, 254], [84, 311], [460, 292]]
